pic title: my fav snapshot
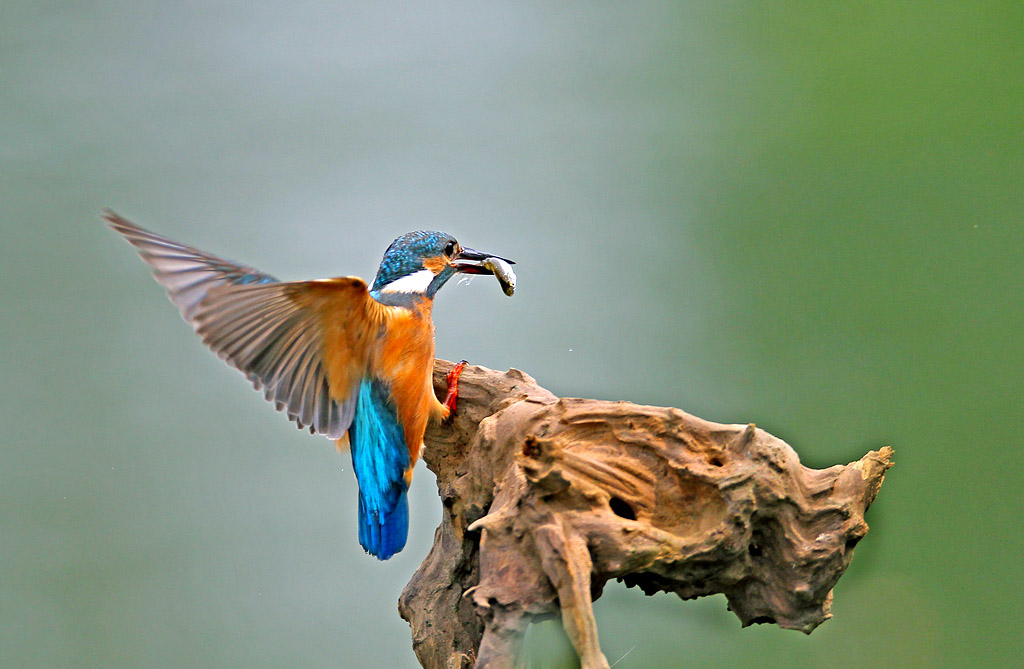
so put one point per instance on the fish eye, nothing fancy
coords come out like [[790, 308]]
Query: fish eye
[[449, 248]]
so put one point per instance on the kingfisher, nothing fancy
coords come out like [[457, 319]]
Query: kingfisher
[[348, 362]]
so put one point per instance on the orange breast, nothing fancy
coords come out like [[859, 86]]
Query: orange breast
[[405, 359]]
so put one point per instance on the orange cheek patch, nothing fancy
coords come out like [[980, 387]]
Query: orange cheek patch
[[435, 264]]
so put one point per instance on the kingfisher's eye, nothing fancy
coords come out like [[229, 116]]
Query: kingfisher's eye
[[449, 249]]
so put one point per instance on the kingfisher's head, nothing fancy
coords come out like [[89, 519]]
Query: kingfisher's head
[[419, 263]]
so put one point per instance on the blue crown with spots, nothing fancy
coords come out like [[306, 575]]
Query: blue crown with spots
[[406, 254]]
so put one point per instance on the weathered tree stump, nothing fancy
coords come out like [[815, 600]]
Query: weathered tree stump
[[546, 499]]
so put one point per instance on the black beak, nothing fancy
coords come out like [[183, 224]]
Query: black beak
[[469, 261]]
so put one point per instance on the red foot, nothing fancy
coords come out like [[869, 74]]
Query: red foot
[[453, 387]]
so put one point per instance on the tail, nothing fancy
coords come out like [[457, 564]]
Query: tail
[[383, 534], [380, 460]]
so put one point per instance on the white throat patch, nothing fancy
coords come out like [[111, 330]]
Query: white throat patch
[[416, 282]]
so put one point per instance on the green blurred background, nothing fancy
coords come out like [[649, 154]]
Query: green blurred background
[[806, 215]]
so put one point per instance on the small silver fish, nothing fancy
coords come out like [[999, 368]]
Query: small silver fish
[[503, 271]]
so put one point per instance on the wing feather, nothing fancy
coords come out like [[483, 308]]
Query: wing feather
[[187, 273], [275, 332]]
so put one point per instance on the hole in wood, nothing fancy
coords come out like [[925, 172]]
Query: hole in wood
[[621, 508], [531, 447]]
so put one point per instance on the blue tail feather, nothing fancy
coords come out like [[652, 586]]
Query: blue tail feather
[[380, 458], [384, 535]]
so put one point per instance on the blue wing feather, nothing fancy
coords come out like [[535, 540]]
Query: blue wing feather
[[380, 458]]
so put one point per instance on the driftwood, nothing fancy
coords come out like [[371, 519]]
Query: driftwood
[[546, 499]]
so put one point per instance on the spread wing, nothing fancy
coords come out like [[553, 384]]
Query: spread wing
[[305, 344], [188, 274]]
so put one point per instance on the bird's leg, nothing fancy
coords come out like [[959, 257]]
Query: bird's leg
[[453, 387]]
